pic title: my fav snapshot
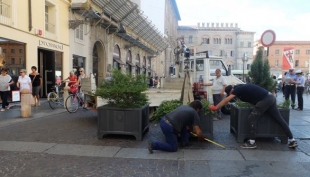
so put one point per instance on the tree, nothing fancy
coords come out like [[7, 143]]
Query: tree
[[260, 72]]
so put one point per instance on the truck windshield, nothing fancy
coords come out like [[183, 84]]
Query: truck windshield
[[217, 64], [199, 64]]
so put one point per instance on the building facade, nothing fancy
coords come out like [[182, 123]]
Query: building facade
[[35, 33], [228, 41], [283, 55], [113, 38], [165, 15]]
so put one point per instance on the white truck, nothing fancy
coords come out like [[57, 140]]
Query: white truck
[[205, 70]]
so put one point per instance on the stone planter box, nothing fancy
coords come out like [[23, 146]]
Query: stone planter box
[[266, 125], [206, 125], [124, 121]]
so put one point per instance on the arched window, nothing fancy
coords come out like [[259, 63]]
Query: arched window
[[129, 63], [138, 67], [117, 62]]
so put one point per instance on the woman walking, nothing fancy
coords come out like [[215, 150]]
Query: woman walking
[[36, 81], [5, 82], [24, 82]]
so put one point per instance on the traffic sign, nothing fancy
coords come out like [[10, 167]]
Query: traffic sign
[[268, 38]]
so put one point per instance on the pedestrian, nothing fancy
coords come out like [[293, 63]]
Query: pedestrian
[[300, 82], [151, 82], [283, 84], [79, 82], [5, 82], [290, 86], [218, 88], [36, 81], [24, 81], [263, 101], [72, 81], [176, 124]]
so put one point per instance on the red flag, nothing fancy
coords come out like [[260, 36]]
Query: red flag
[[288, 58]]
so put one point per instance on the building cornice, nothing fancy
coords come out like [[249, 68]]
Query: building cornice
[[68, 2], [292, 42]]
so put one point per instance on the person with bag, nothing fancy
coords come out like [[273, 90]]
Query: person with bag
[[36, 81], [5, 82]]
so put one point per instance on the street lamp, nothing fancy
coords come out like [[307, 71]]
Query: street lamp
[[244, 59]]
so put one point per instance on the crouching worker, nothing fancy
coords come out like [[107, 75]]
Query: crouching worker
[[176, 123], [263, 101]]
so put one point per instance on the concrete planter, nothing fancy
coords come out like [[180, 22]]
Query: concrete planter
[[124, 121], [266, 125], [206, 125]]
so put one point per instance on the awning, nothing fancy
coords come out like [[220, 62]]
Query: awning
[[129, 63], [119, 61]]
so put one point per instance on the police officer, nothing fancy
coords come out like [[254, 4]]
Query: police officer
[[290, 86], [300, 80]]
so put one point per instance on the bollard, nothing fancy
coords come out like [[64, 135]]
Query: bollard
[[66, 94], [25, 101]]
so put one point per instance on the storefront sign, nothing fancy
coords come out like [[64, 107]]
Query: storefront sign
[[15, 95], [51, 45]]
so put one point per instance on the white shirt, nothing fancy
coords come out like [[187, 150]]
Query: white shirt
[[218, 85], [24, 82], [4, 80]]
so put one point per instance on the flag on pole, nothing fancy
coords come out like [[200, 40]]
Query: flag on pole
[[288, 58]]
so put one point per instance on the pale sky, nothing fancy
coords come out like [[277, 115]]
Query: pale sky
[[289, 19]]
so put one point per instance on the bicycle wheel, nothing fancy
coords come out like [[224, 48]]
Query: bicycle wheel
[[61, 98], [72, 104], [52, 98]]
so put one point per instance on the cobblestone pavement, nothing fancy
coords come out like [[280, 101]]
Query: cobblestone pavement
[[81, 129], [27, 164]]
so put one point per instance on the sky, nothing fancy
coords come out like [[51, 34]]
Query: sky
[[289, 19]]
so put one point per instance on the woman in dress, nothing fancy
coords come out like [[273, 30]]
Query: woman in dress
[[36, 85], [72, 79], [5, 82]]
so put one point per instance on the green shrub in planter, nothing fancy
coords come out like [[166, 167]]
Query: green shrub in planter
[[124, 90], [243, 104], [285, 105], [164, 108], [205, 107]]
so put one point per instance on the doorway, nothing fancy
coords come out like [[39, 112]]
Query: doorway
[[50, 68]]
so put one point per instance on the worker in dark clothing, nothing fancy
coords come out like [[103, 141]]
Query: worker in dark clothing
[[176, 124], [263, 101]]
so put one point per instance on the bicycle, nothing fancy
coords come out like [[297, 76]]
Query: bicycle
[[74, 102], [55, 97]]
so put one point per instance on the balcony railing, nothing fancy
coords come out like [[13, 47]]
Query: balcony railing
[[5, 13]]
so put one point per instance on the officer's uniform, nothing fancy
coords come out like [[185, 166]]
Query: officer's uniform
[[300, 89], [290, 88]]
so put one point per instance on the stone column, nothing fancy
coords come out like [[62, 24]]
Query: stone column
[[25, 101]]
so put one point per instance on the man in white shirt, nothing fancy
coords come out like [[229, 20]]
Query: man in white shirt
[[218, 88]]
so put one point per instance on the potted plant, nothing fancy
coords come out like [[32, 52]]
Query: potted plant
[[127, 108], [206, 119], [164, 108], [266, 126]]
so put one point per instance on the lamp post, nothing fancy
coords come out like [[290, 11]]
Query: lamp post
[[244, 59]]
